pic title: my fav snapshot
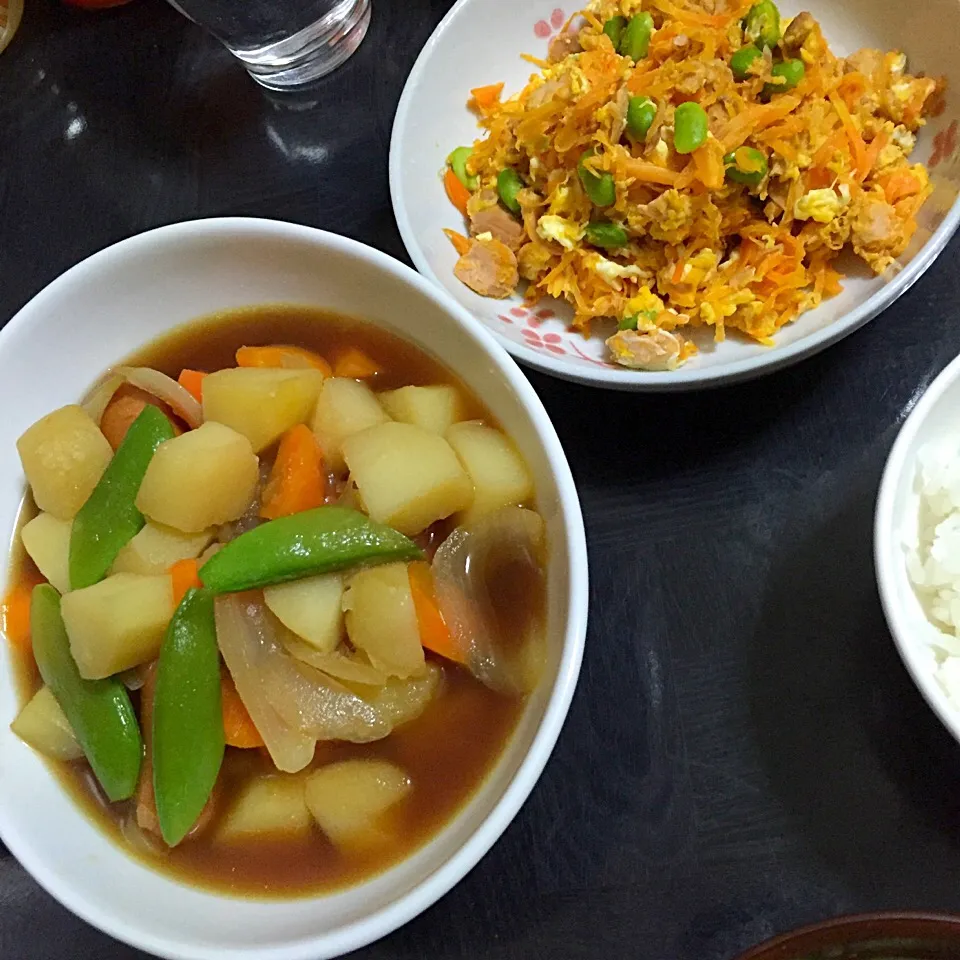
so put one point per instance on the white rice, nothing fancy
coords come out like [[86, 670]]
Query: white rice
[[933, 558]]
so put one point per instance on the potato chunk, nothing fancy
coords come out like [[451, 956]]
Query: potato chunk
[[434, 408], [117, 623], [407, 477], [44, 726], [268, 806], [310, 608], [500, 477], [345, 407], [156, 548], [203, 478], [63, 457], [349, 799], [47, 542], [261, 403], [382, 621]]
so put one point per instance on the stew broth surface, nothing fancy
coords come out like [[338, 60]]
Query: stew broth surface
[[447, 752]]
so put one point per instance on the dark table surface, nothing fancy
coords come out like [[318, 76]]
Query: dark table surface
[[745, 752]]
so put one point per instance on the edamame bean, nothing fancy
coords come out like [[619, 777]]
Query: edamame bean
[[509, 185], [458, 163], [641, 112], [628, 323], [791, 73], [743, 59], [600, 188], [689, 127], [746, 165], [603, 233], [613, 28], [762, 24], [635, 41]]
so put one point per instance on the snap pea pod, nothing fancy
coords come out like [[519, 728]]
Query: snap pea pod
[[188, 739], [613, 28], [302, 545], [109, 519], [458, 163], [600, 188], [509, 185], [99, 711]]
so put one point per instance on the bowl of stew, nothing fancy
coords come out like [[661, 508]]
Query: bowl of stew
[[296, 594]]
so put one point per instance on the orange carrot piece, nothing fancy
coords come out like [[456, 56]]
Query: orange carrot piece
[[460, 243], [282, 355], [457, 193], [487, 97], [239, 730], [857, 147], [900, 185], [16, 615], [184, 574], [192, 382], [434, 633], [354, 364], [650, 173], [297, 480]]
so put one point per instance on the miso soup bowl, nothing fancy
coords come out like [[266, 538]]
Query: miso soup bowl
[[50, 352]]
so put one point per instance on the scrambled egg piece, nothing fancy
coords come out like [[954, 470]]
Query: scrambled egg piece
[[565, 232], [612, 272], [820, 205], [643, 306]]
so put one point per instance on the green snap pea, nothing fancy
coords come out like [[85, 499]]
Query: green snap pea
[[641, 112], [746, 165], [762, 24], [458, 163], [635, 41], [613, 28], [99, 711], [603, 233], [109, 519], [743, 59], [790, 72], [188, 738], [509, 185], [689, 127], [600, 188], [302, 545]]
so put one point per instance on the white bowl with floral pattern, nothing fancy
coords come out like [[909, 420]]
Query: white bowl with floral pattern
[[481, 42]]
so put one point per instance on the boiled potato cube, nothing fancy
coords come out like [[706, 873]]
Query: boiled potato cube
[[348, 799], [382, 620], [261, 403], [310, 608], [200, 479], [117, 623], [47, 541], [63, 456], [434, 408], [45, 727], [156, 548], [407, 477], [268, 806], [500, 477], [345, 407]]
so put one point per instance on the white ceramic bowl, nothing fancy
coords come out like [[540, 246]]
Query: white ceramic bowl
[[480, 42], [935, 417], [93, 316]]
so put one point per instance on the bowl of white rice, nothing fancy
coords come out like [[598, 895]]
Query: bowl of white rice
[[917, 545]]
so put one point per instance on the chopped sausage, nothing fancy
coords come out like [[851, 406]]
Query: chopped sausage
[[495, 220], [562, 45], [801, 26], [489, 268], [124, 407], [657, 350]]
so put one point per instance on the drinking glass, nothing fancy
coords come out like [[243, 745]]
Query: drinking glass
[[283, 43]]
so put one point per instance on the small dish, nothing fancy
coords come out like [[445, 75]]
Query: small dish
[[481, 42]]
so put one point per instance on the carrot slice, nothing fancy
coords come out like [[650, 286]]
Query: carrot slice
[[460, 243], [354, 364], [434, 633], [457, 193], [900, 185], [184, 574], [281, 355], [487, 97], [297, 480], [192, 382], [16, 615], [239, 730]]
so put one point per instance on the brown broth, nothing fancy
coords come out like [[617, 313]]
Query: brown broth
[[447, 752]]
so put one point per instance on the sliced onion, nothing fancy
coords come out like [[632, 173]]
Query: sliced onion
[[351, 667], [400, 701], [465, 571], [101, 394], [164, 388], [249, 657]]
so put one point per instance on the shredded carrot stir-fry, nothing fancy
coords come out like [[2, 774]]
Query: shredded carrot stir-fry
[[614, 210]]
